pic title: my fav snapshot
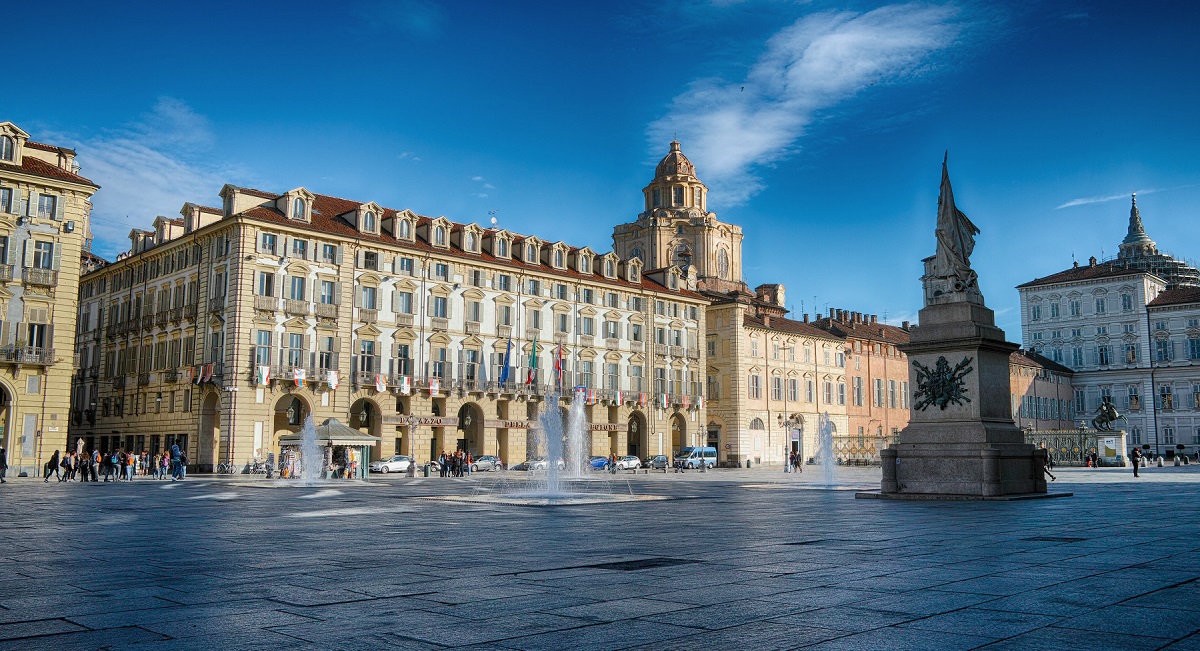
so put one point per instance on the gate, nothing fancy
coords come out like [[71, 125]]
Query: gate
[[1071, 447]]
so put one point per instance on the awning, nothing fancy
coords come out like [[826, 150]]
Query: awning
[[332, 432]]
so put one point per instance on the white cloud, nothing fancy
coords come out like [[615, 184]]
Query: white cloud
[[147, 168], [409, 156], [1083, 201], [477, 179], [808, 67]]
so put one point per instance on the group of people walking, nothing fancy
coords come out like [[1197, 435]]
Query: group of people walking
[[119, 465], [454, 464]]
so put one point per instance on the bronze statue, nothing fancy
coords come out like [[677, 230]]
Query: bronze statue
[[955, 240], [1106, 415]]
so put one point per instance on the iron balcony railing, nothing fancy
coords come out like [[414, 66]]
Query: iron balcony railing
[[296, 307], [216, 304], [368, 315], [176, 314], [43, 277], [266, 303], [27, 355], [404, 320], [327, 310], [6, 272], [189, 311]]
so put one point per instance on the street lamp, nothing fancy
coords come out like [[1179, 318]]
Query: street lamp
[[792, 421]]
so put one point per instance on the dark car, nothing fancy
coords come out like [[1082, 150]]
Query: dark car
[[659, 462]]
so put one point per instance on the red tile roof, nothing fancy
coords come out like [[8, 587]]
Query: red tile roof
[[1177, 296], [1074, 274], [325, 219], [869, 331], [44, 147], [780, 324], [36, 167], [1031, 359]]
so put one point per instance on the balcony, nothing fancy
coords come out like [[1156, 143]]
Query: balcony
[[660, 349], [171, 377], [676, 351], [368, 315], [693, 353], [404, 320], [503, 331], [266, 303], [143, 379], [147, 322], [612, 343], [327, 310], [176, 314], [587, 340], [364, 378], [295, 307], [532, 333], [440, 324], [560, 337], [189, 311], [42, 277], [160, 319], [6, 272], [216, 304], [118, 382], [27, 355], [472, 327], [637, 346]]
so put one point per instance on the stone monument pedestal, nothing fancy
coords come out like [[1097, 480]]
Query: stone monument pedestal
[[961, 442]]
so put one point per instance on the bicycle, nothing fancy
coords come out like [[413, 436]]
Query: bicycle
[[229, 468]]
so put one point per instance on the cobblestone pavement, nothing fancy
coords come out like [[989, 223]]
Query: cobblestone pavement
[[747, 559]]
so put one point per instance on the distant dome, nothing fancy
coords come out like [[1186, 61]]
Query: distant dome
[[674, 163]]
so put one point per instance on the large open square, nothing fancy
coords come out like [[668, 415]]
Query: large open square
[[731, 559]]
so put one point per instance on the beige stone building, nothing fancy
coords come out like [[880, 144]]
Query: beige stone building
[[227, 327], [45, 207]]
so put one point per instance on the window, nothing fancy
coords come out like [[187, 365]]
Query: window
[[610, 299], [368, 223], [6, 199], [404, 231], [585, 265], [635, 378], [267, 242], [678, 196], [1054, 310], [891, 394], [857, 391], [535, 318], [297, 286], [841, 393], [585, 374], [530, 253], [327, 355], [586, 295], [439, 235], [329, 253], [473, 311], [560, 292], [635, 332], [656, 198], [840, 358], [635, 303], [298, 209], [43, 255], [404, 302], [405, 266], [1130, 354], [1035, 312], [328, 292], [403, 364], [47, 205], [560, 323], [504, 283], [776, 388], [558, 258], [295, 350], [472, 242], [262, 348], [370, 298], [877, 398], [504, 315], [501, 248], [1168, 436], [754, 388], [475, 278], [300, 248], [441, 271], [440, 307], [753, 347], [534, 287], [1104, 355], [1101, 330], [7, 148], [827, 386], [793, 390], [612, 330], [1164, 351], [1193, 347], [266, 284], [1099, 306], [1076, 308], [1126, 303], [809, 390], [904, 395], [1160, 326], [587, 326], [609, 269], [1077, 356], [1080, 400], [368, 362]]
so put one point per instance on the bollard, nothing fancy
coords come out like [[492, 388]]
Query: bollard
[[1158, 462], [747, 462], [425, 472]]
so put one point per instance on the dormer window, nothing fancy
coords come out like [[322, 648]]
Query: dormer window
[[405, 230], [501, 248], [585, 265], [558, 258], [439, 236], [608, 268], [674, 281], [367, 224], [8, 149], [472, 242], [298, 208], [530, 254]]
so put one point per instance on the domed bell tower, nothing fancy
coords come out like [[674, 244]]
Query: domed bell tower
[[676, 228]]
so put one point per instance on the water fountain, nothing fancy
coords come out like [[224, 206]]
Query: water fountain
[[576, 463], [311, 457], [824, 456]]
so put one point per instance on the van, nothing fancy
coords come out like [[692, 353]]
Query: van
[[696, 457]]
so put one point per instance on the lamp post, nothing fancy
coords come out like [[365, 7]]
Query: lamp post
[[788, 425]]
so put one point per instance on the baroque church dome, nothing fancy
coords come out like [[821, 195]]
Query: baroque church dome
[[674, 163]]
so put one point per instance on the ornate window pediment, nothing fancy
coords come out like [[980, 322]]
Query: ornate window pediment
[[297, 205], [583, 260], [471, 238]]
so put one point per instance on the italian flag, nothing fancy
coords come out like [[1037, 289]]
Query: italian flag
[[532, 377]]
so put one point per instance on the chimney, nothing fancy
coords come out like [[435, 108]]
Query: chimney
[[874, 319], [1092, 261], [904, 325], [1075, 264], [766, 320], [831, 310], [806, 317]]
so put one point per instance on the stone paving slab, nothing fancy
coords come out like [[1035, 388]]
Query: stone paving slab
[[728, 559]]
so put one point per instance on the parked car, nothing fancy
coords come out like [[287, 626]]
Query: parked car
[[658, 462], [398, 463], [487, 462], [696, 457], [536, 463], [629, 462], [598, 463]]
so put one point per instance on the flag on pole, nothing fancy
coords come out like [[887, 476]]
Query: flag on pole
[[642, 399], [507, 363], [699, 402], [664, 401], [380, 383], [191, 374], [591, 397], [685, 401], [198, 374], [208, 372], [532, 377], [299, 375], [332, 380], [619, 397], [558, 368]]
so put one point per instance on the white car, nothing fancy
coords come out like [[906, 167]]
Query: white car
[[629, 463], [398, 463]]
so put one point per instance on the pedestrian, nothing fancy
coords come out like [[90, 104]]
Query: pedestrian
[[51, 467], [1046, 460], [175, 459], [1136, 455], [3, 465], [95, 465], [183, 463]]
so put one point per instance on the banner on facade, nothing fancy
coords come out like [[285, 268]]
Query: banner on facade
[[405, 385], [299, 375], [506, 424], [380, 383], [263, 377], [331, 378], [434, 385]]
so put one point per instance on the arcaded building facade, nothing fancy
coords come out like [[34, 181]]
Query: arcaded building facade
[[45, 208], [227, 327]]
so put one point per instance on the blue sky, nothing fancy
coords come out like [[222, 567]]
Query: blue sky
[[818, 126]]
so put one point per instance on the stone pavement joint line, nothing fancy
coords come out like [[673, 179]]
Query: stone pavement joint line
[[751, 559]]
